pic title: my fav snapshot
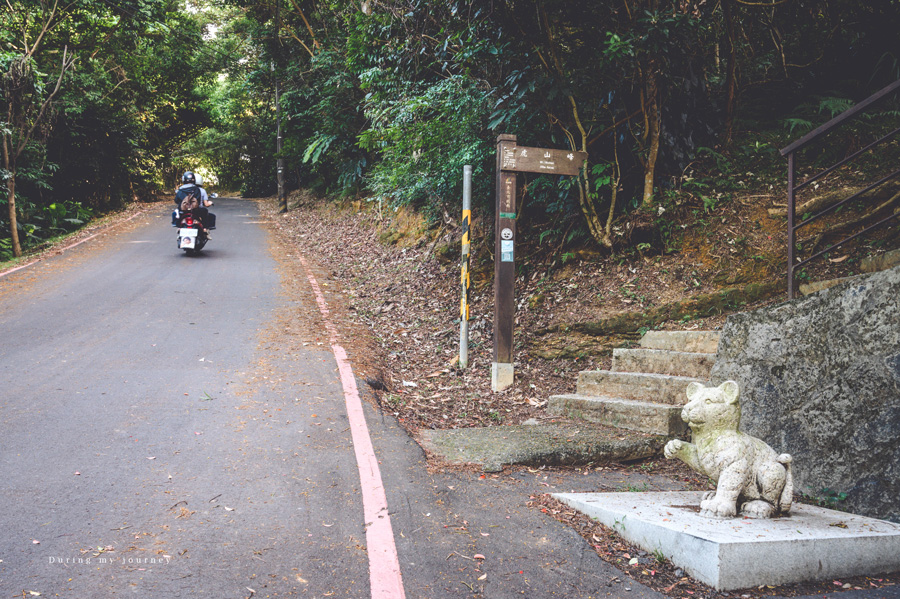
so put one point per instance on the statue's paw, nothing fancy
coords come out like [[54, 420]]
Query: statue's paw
[[672, 448], [709, 495], [718, 508], [758, 509]]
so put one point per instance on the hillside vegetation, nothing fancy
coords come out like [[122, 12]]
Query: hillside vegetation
[[680, 106]]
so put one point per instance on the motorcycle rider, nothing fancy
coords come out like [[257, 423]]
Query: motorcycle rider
[[189, 188], [204, 200]]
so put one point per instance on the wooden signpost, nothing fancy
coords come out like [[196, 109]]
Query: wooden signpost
[[512, 159]]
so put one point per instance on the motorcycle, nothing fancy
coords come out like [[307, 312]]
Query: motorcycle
[[193, 233]]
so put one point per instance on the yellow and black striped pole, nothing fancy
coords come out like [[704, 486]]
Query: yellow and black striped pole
[[464, 304]]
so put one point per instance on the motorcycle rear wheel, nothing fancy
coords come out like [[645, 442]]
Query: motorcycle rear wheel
[[201, 241]]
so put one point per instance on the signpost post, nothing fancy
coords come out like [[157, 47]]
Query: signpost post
[[512, 159], [504, 268]]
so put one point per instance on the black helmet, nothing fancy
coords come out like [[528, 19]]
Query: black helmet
[[188, 177]]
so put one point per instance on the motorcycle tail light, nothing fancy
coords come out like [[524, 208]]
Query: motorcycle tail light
[[189, 221]]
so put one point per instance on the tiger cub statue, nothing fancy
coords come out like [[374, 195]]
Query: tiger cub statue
[[750, 476]]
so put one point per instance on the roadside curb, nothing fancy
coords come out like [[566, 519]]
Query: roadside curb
[[63, 249]]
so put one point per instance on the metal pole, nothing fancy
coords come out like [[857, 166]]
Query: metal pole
[[792, 232], [464, 304], [279, 162]]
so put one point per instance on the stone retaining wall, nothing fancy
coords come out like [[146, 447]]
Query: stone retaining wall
[[820, 379]]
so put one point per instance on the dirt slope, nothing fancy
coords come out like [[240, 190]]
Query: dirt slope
[[403, 283]]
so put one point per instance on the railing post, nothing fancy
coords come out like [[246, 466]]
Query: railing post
[[791, 231]]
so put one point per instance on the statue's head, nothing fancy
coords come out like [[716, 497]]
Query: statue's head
[[713, 408]]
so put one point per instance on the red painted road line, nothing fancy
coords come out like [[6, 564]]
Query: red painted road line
[[385, 579], [69, 247]]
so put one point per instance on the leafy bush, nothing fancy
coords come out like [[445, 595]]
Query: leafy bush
[[38, 223], [423, 137]]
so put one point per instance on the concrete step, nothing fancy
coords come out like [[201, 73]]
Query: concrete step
[[880, 262], [868, 265], [653, 388], [816, 286], [646, 417], [660, 361], [706, 342]]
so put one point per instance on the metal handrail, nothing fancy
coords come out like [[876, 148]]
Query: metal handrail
[[791, 153], [849, 158], [861, 192], [841, 119]]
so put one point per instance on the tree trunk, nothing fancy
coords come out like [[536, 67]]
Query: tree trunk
[[614, 188], [731, 76], [11, 195], [588, 209], [13, 224], [653, 125], [593, 219]]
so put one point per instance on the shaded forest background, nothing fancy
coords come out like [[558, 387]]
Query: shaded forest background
[[107, 101]]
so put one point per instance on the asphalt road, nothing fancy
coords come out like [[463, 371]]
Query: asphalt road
[[167, 433]]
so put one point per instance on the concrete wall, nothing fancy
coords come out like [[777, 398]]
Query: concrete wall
[[820, 379]]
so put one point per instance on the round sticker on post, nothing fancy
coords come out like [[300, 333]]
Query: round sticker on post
[[506, 234]]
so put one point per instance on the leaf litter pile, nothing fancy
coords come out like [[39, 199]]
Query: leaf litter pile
[[409, 303], [397, 306]]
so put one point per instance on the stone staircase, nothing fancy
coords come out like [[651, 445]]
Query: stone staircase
[[645, 390]]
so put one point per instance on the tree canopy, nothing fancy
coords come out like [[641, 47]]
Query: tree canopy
[[388, 99]]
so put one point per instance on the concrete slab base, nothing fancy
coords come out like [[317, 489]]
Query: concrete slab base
[[501, 376], [537, 445], [812, 543]]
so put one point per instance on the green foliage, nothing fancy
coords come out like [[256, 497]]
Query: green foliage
[[797, 126], [833, 106], [390, 102], [828, 498], [319, 145], [424, 137], [39, 223]]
